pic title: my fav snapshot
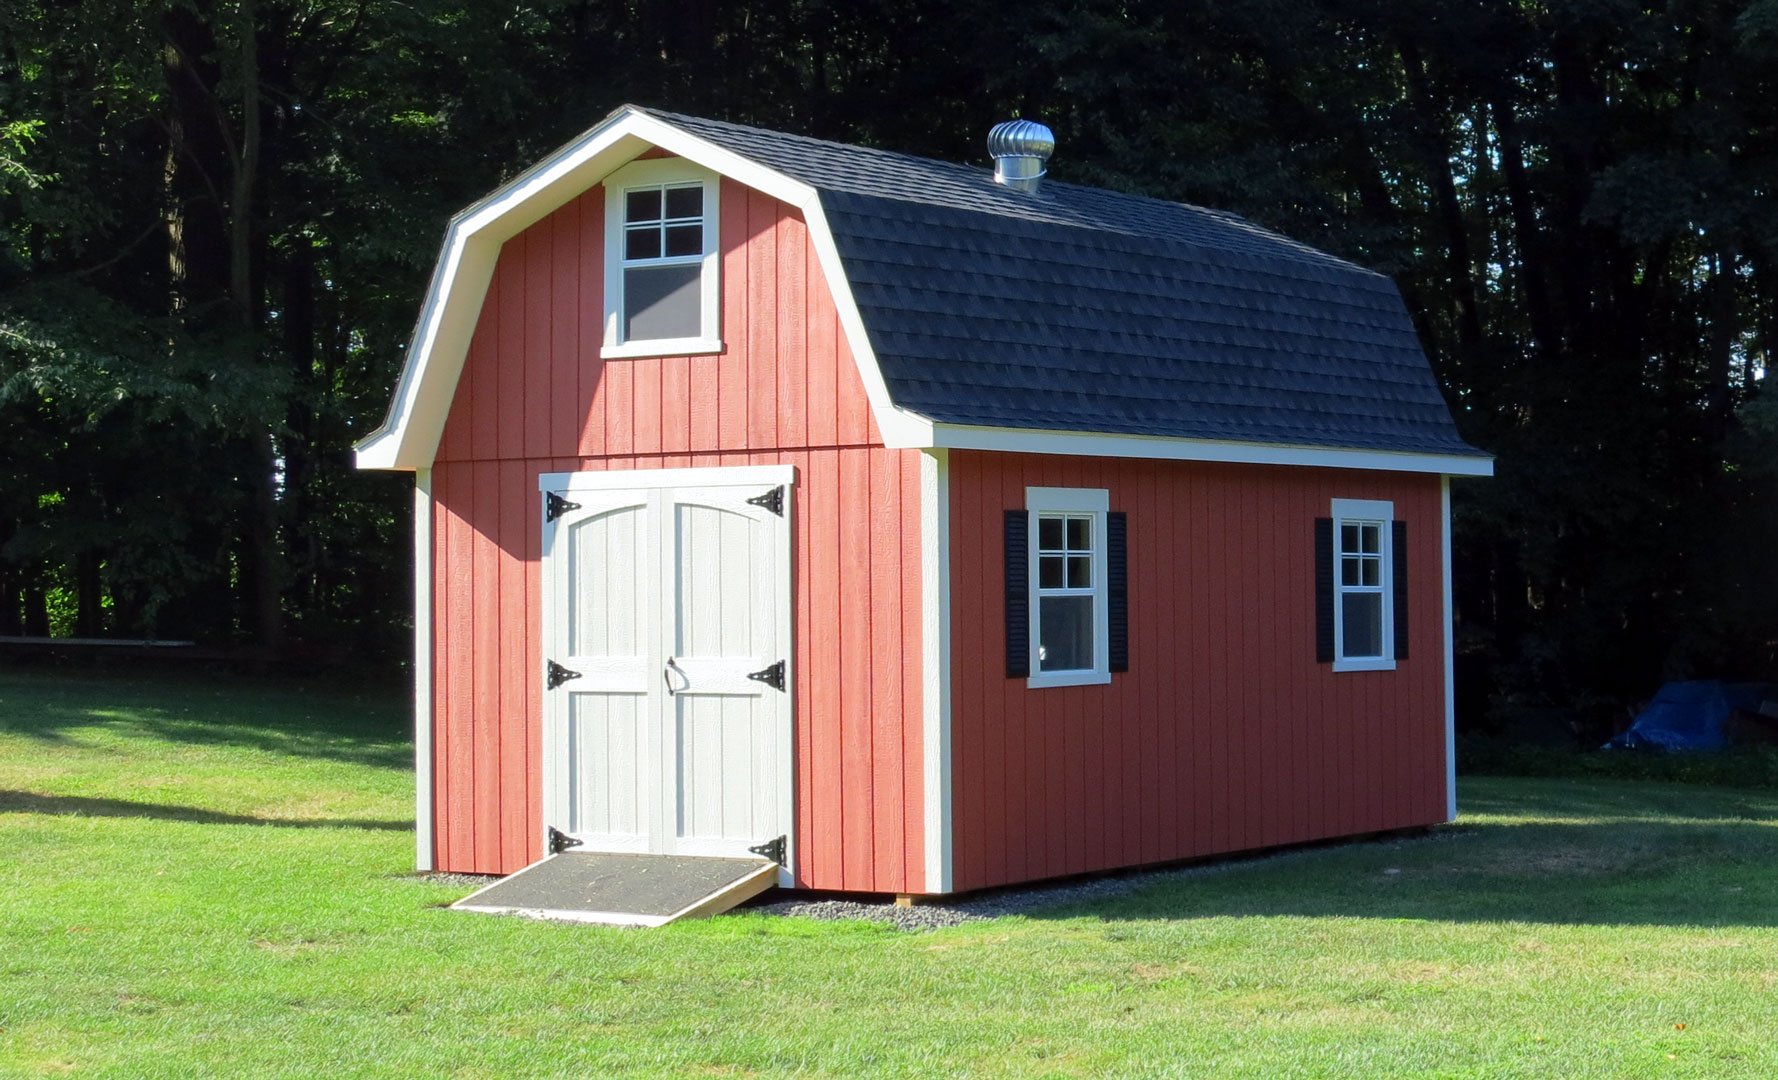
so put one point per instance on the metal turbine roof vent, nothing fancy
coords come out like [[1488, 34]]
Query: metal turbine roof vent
[[1020, 149]]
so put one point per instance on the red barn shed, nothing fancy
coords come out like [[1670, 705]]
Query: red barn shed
[[959, 526]]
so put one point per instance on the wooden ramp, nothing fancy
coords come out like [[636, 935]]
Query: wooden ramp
[[624, 890]]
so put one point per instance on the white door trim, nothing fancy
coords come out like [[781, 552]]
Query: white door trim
[[658, 482], [618, 479]]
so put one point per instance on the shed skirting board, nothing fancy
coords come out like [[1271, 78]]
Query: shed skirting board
[[935, 636], [423, 719], [1450, 624]]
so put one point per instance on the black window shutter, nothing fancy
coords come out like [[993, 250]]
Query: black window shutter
[[1398, 559], [1117, 591], [1324, 591], [1018, 594]]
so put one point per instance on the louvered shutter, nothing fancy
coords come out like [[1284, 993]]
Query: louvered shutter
[[1018, 594], [1398, 559], [1324, 591], [1117, 593]]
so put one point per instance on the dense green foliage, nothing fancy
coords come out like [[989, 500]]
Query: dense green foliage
[[216, 218], [210, 879]]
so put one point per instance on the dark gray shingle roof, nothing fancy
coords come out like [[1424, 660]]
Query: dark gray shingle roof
[[1081, 309]]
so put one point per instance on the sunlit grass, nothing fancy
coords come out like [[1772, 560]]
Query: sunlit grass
[[212, 880]]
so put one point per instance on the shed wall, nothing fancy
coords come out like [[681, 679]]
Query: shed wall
[[535, 397], [1225, 734]]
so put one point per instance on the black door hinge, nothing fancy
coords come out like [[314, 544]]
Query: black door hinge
[[771, 849], [772, 676], [554, 506], [557, 675], [772, 500], [560, 841]]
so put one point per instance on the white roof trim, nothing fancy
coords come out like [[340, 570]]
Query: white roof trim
[[1089, 444], [409, 437]]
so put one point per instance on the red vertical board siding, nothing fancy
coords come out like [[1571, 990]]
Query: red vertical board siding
[[1225, 733], [535, 397]]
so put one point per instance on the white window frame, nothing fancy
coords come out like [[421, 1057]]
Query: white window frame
[[1382, 514], [656, 172], [1050, 500]]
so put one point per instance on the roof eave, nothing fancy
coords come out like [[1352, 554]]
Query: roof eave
[[1167, 448]]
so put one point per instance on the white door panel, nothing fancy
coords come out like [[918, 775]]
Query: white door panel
[[666, 601]]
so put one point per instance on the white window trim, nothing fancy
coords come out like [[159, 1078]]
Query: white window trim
[[1095, 501], [654, 172], [1375, 511]]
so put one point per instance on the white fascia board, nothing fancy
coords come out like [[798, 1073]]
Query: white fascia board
[[1088, 444], [409, 438]]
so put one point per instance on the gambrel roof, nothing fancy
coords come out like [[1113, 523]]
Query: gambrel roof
[[1067, 320]]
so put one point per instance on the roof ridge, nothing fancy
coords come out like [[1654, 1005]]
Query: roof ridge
[[1132, 200]]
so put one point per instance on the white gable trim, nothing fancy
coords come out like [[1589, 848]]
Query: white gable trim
[[409, 437], [1087, 444]]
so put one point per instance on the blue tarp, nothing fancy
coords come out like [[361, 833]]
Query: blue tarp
[[1689, 716]]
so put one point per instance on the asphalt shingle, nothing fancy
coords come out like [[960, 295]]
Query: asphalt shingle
[[1086, 310]]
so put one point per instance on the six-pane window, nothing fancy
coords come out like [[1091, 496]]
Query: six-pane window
[[1361, 589], [663, 254], [1065, 592]]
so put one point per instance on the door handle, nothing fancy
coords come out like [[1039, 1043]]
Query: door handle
[[668, 679]]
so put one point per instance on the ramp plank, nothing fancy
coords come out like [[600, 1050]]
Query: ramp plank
[[624, 890]]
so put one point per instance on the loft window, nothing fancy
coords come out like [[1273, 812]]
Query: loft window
[[662, 260]]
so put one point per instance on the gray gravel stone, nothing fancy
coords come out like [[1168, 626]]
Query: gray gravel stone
[[1023, 900]]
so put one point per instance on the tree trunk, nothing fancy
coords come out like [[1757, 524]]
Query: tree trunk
[[89, 596]]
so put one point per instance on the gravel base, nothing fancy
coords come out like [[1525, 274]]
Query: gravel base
[[993, 904]]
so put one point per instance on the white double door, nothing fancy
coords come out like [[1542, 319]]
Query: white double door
[[667, 618]]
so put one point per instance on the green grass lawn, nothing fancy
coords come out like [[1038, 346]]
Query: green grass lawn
[[211, 880]]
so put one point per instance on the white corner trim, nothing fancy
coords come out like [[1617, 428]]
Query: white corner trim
[[1088, 444], [1450, 621], [423, 787], [935, 640], [624, 479], [1366, 510]]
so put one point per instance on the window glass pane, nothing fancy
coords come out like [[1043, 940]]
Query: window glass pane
[[1080, 534], [662, 302], [1080, 571], [1065, 633], [684, 202], [1349, 572], [1049, 572], [1049, 533], [1348, 537], [642, 243], [1373, 571], [1369, 535], [644, 205], [685, 240], [1361, 624]]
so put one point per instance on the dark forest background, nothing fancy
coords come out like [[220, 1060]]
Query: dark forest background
[[217, 220]]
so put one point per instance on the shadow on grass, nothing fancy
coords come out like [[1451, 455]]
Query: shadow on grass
[[299, 719], [1710, 871], [28, 802]]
